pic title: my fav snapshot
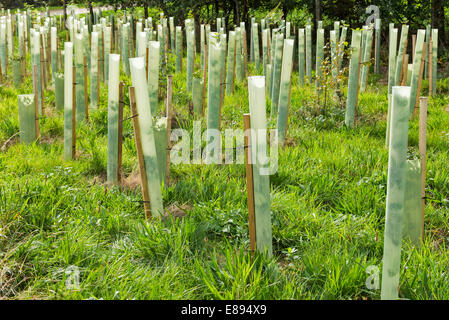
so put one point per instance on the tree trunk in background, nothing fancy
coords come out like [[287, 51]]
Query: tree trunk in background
[[64, 5], [317, 13], [91, 11], [145, 9], [236, 13], [438, 21]]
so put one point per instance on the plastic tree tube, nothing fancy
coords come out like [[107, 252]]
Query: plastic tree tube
[[59, 91], [153, 75], [353, 80], [365, 58], [301, 57], [68, 96], [395, 192], [257, 107], [391, 72], [428, 35], [319, 55], [178, 49], [341, 46], [160, 134], [54, 39], [413, 218], [137, 66], [284, 92], [213, 82], [255, 35], [231, 63], [113, 117], [416, 68], [309, 52], [276, 74], [107, 51], [80, 87], [190, 56], [171, 23], [334, 62], [27, 118], [238, 55], [197, 97], [434, 60], [36, 60], [94, 70], [377, 48], [401, 52], [264, 51]]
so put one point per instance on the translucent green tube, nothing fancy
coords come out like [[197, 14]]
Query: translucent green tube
[[353, 80], [319, 56], [401, 52], [190, 56], [59, 91], [68, 100], [178, 49], [113, 117], [230, 64], [27, 118], [395, 193], [137, 66], [107, 51], [413, 219], [94, 70], [153, 75], [301, 57], [257, 107], [284, 93], [434, 60], [416, 68], [255, 34], [80, 87], [238, 55], [309, 52], [366, 58], [277, 74]]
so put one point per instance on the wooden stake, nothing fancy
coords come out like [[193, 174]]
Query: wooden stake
[[422, 152], [74, 113], [138, 140], [168, 112], [403, 78], [204, 78], [86, 102], [250, 184], [120, 133], [413, 46]]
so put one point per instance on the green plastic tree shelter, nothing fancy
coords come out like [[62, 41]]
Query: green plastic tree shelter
[[255, 37], [378, 29], [309, 52], [301, 57], [107, 51], [396, 188], [238, 55], [59, 91], [27, 118], [366, 58], [113, 117], [178, 49], [137, 66], [391, 71], [416, 68], [400, 56], [284, 93], [334, 61], [213, 90], [153, 74], [276, 74], [257, 107], [36, 61], [190, 34], [68, 96], [54, 39], [80, 86], [353, 80], [413, 218], [231, 64], [197, 97], [160, 134], [434, 60], [94, 81], [319, 56]]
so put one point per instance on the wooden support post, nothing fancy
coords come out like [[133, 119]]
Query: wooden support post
[[86, 102], [120, 133], [403, 81], [73, 112], [205, 78], [168, 114], [422, 152], [138, 140], [413, 46], [249, 184]]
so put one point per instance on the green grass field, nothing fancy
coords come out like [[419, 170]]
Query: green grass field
[[327, 201]]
